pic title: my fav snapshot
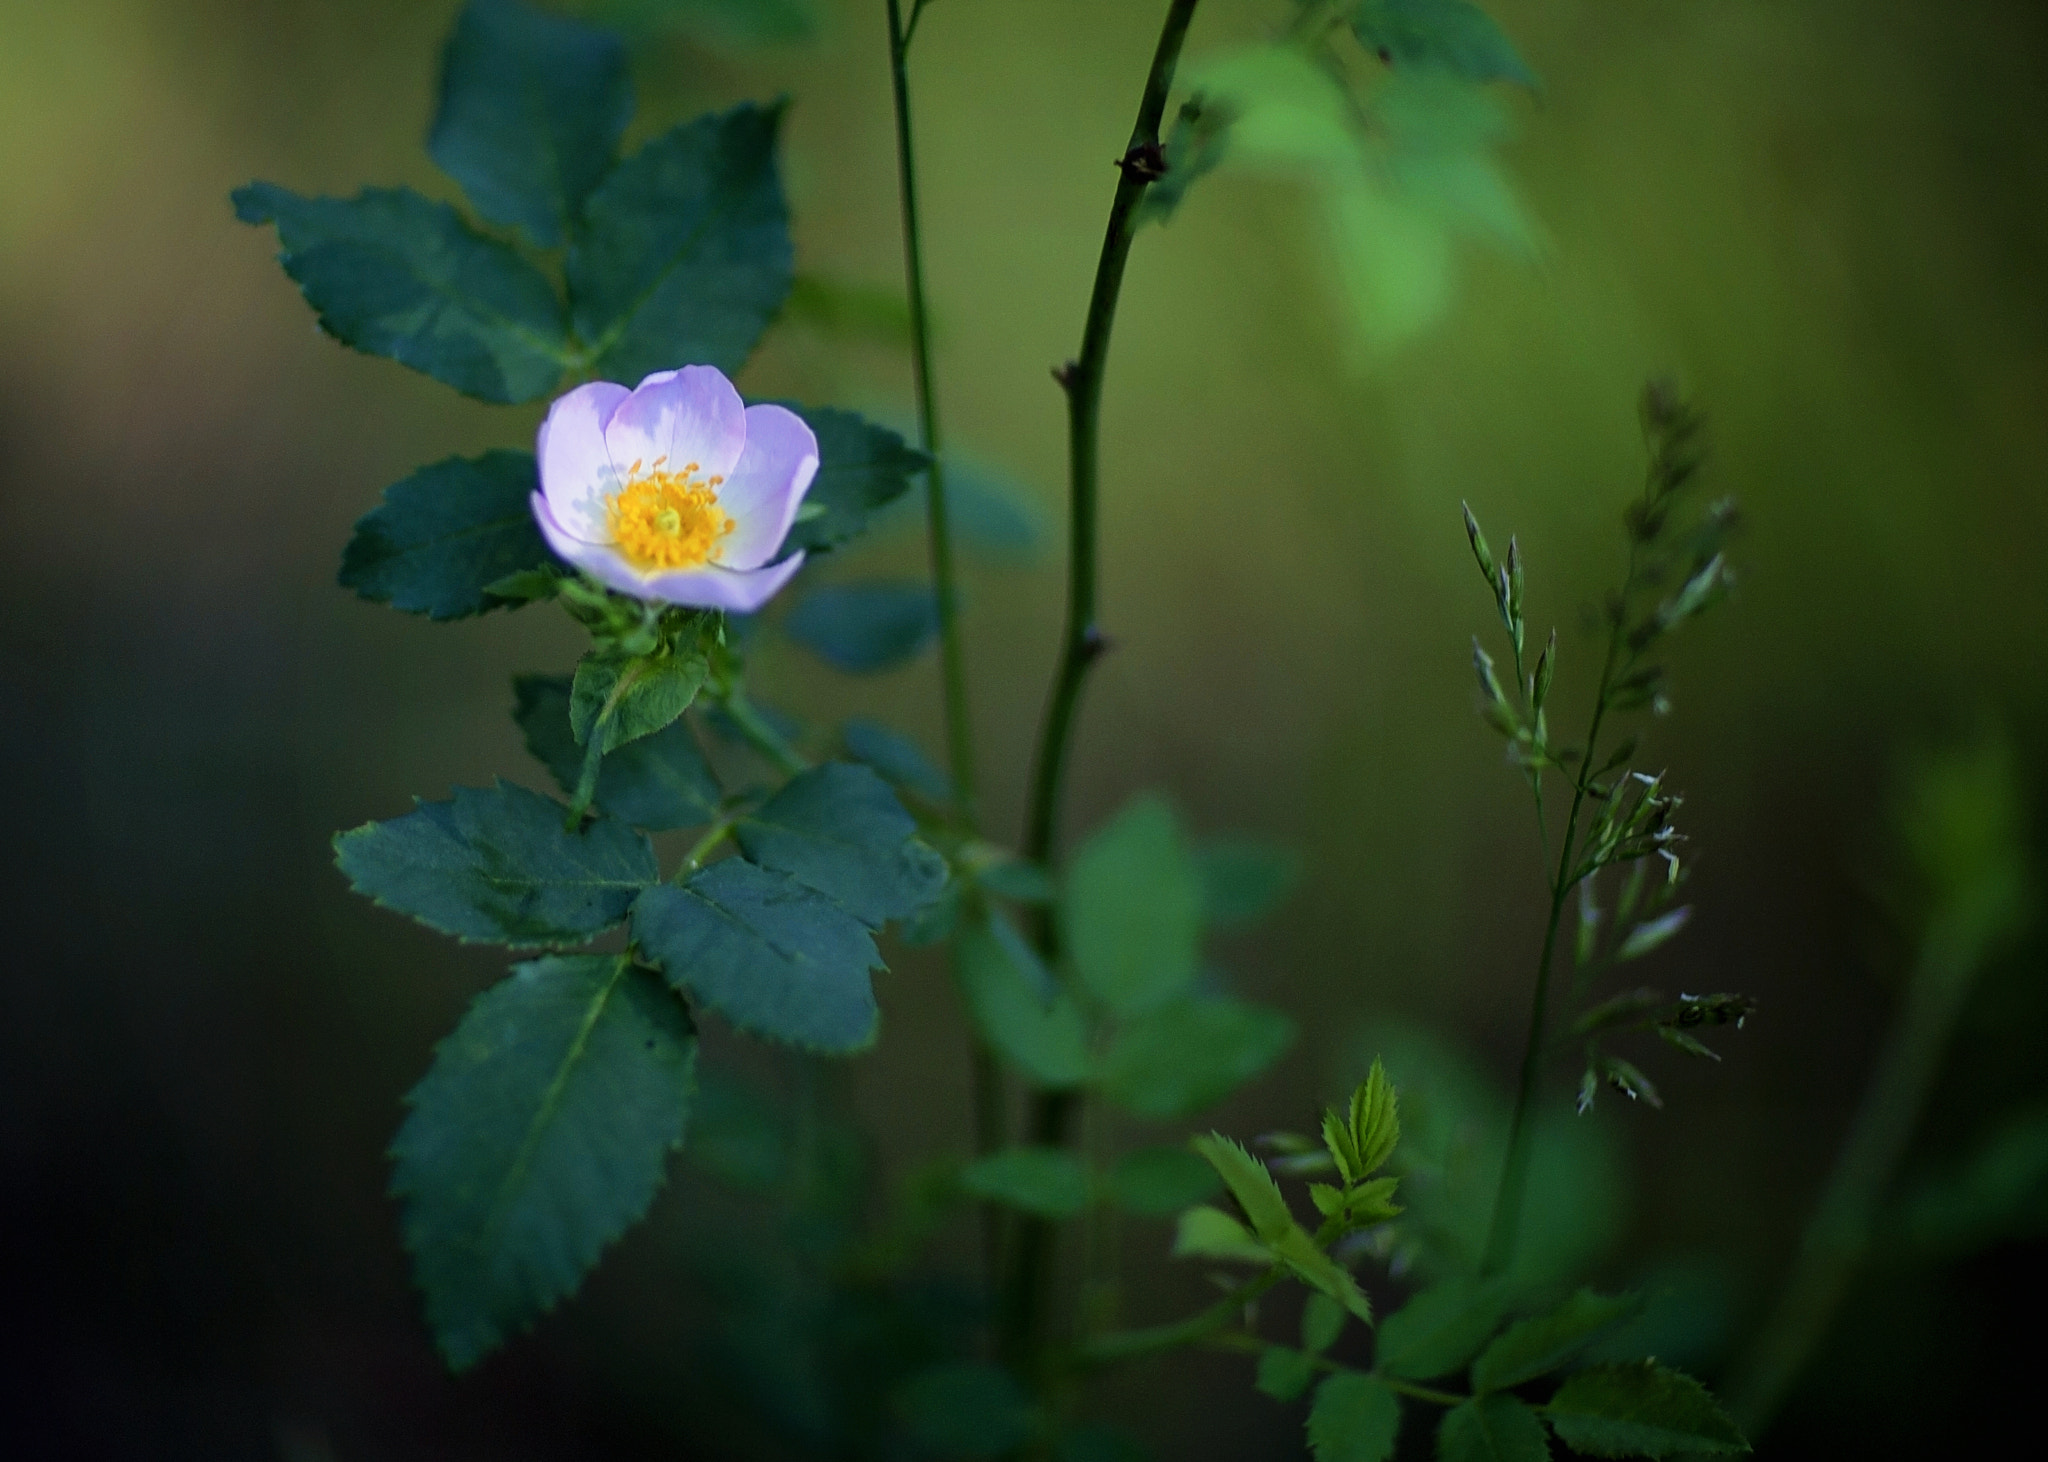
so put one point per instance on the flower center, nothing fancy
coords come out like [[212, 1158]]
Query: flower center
[[667, 520]]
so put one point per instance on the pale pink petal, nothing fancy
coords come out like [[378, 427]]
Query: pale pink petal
[[764, 490], [565, 544], [685, 416], [575, 468], [740, 590]]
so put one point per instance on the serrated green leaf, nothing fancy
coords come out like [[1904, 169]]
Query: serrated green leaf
[[1175, 1061], [862, 467], [1047, 1181], [532, 108], [1375, 1120], [1244, 881], [392, 274], [1298, 1252], [1045, 1039], [898, 758], [685, 252], [1328, 1199], [1355, 1419], [1284, 1373], [443, 536], [1322, 1321], [1640, 1409], [658, 782], [1491, 1429], [1250, 1183], [865, 628], [839, 829], [633, 697], [496, 866], [1157, 1181], [1209, 1233], [1539, 1345], [1440, 1329], [966, 1409], [1439, 35], [1131, 906], [770, 955], [539, 1135]]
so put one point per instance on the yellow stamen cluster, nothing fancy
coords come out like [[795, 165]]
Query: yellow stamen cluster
[[667, 520]]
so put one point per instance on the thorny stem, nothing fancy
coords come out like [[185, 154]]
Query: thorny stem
[[1082, 378], [989, 1096]]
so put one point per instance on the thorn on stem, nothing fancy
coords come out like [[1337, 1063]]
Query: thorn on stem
[[1065, 372], [1095, 644], [1144, 163]]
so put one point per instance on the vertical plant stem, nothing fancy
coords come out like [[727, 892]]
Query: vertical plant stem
[[987, 1078], [1082, 643]]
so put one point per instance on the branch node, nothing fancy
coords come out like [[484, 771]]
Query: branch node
[[1144, 163]]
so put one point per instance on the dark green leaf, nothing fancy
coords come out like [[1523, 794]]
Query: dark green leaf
[[839, 829], [1538, 1346], [1243, 881], [896, 757], [1047, 1040], [539, 1135], [1018, 880], [685, 253], [1132, 909], [1190, 1055], [738, 1134], [1439, 35], [444, 535], [1440, 1329], [633, 697], [393, 274], [865, 628], [991, 513], [1093, 1442], [1492, 1429], [770, 955], [1354, 1419], [1640, 1409], [861, 467], [532, 106], [496, 866], [2000, 1190], [1284, 1373], [1047, 1181], [1322, 1321], [966, 1409], [1157, 1181], [658, 782]]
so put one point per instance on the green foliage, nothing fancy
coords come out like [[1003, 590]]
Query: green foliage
[[685, 253], [838, 828], [1322, 1321], [1131, 909], [1440, 1329], [1640, 1409], [1284, 1373], [1014, 1007], [1250, 1184], [390, 273], [1243, 881], [868, 627], [442, 537], [1210, 1233], [900, 760], [1354, 1419], [496, 866], [862, 468], [1194, 146], [658, 782], [540, 1133], [966, 1409], [1454, 36], [769, 954], [720, 22], [1047, 1181], [620, 699], [532, 107], [1537, 1346], [1311, 1265], [1175, 1061], [1491, 1429], [1999, 1191], [1364, 1138], [1157, 1181]]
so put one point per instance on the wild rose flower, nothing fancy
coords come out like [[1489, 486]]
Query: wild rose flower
[[674, 491]]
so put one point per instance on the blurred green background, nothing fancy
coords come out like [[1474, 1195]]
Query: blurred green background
[[1826, 217]]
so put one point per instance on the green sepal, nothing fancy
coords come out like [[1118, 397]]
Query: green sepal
[[1131, 909], [1491, 1429], [1284, 1373], [1640, 1409], [1042, 1032], [1539, 1345], [658, 782], [1440, 1329], [1047, 1181], [1175, 1061], [1354, 1419], [838, 828], [442, 539], [539, 1135]]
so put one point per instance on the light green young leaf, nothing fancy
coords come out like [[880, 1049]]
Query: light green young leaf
[[495, 866], [770, 955], [640, 696], [1046, 1038], [1244, 881], [685, 252], [1454, 36], [1157, 1181], [1047, 1181], [658, 782], [1250, 1183], [1440, 1329], [393, 274], [539, 1135], [862, 468], [1131, 907], [865, 628], [839, 829], [443, 536], [1354, 1419], [1537, 1346], [1190, 1055], [1210, 1233], [1491, 1429], [966, 1409], [1375, 1120], [1299, 1253], [1322, 1321], [1284, 1373], [1640, 1409], [532, 107]]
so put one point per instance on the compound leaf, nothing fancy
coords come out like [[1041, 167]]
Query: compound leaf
[[1284, 1372], [1354, 1419], [1491, 1429], [1047, 1181], [861, 467], [1640, 1409], [1175, 1061], [1037, 1028], [444, 535], [658, 782], [1539, 1345], [868, 627], [1131, 907], [1440, 1329], [839, 829], [1157, 1181]]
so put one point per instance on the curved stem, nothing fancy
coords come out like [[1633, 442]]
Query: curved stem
[[1123, 1345], [1082, 643], [763, 737]]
